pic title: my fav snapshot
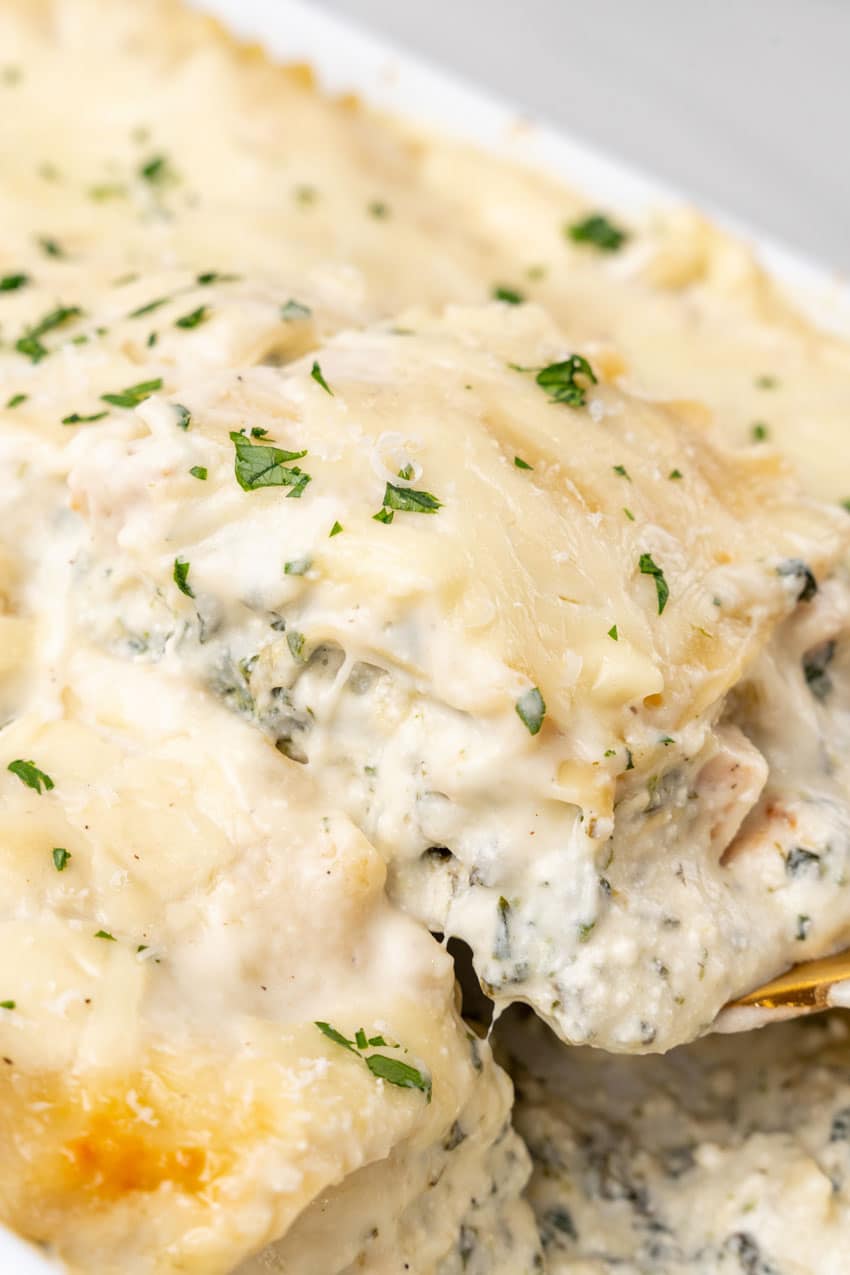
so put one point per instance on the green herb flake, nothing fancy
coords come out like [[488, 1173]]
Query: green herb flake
[[361, 1039], [104, 934], [30, 343], [674, 474], [560, 380], [384, 515], [628, 514], [293, 310], [613, 633], [409, 500], [8, 1004], [379, 210], [295, 642], [298, 566], [531, 710], [193, 319], [630, 761], [16, 400], [649, 568], [759, 432], [257, 431], [305, 195], [148, 308], [184, 416], [396, 1072], [107, 190], [12, 282], [200, 472], [214, 276], [157, 171], [610, 752], [335, 1036], [60, 858], [766, 382], [804, 925], [622, 471], [585, 930], [29, 774], [510, 296], [335, 530], [666, 740], [262, 465], [134, 394], [181, 577], [50, 247], [316, 373], [76, 419], [406, 472], [598, 231], [522, 464]]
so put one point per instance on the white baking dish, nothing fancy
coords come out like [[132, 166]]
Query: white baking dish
[[347, 58]]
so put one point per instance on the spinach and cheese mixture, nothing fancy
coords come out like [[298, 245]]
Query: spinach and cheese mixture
[[730, 1156], [393, 547]]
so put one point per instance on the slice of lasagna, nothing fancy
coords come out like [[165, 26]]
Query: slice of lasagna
[[525, 628]]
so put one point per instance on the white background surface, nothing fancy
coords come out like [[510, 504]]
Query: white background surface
[[740, 104]]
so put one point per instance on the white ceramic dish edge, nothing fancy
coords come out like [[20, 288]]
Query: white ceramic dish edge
[[347, 58]]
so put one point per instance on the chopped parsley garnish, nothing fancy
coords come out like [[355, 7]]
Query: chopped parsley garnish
[[134, 394], [316, 373], [335, 529], [50, 247], [613, 633], [384, 515], [11, 282], [76, 419], [622, 471], [7, 1004], [396, 1072], [181, 577], [298, 566], [628, 514], [759, 431], [585, 930], [598, 230], [107, 190], [560, 380], [675, 473], [392, 1070], [766, 382], [184, 416], [509, 295], [148, 308], [30, 343], [60, 858], [214, 276], [104, 934], [409, 500], [379, 210], [666, 740], [630, 761], [194, 319], [294, 310], [29, 774], [16, 400], [295, 642], [257, 431], [522, 464], [335, 1036], [157, 171], [200, 472], [531, 710], [649, 568], [261, 465]]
